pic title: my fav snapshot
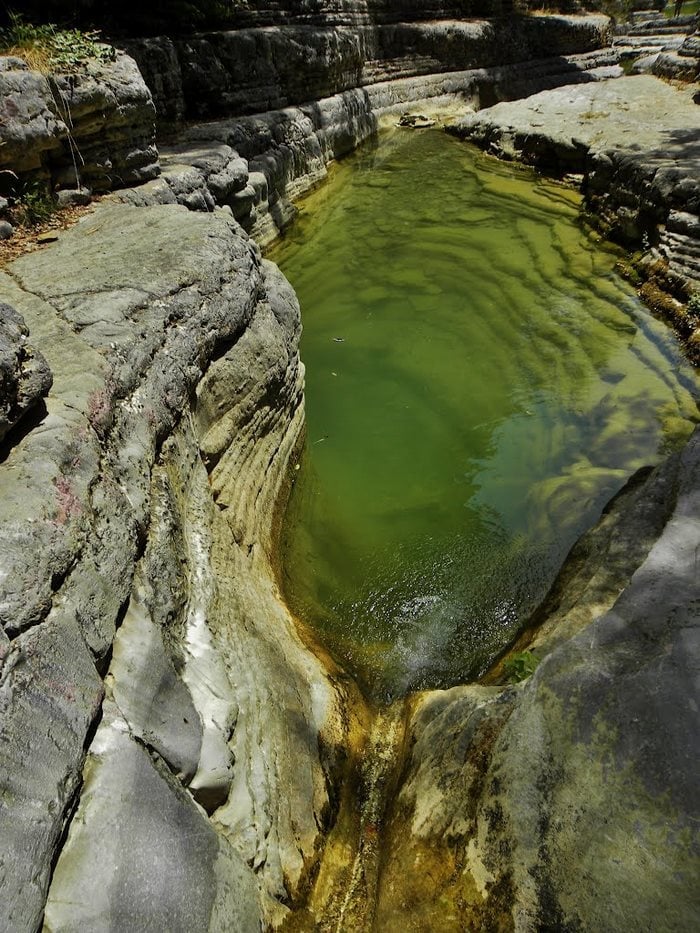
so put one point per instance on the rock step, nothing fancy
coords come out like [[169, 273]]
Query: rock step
[[682, 254], [659, 26], [639, 43]]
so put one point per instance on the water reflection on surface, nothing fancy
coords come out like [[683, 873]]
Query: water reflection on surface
[[479, 384]]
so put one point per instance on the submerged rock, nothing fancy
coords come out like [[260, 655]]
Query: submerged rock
[[569, 801], [632, 142]]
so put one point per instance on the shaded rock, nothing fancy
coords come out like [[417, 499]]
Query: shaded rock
[[571, 800], [50, 695], [25, 376], [277, 60]]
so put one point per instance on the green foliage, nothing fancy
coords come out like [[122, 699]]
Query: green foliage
[[33, 205], [48, 48], [693, 307], [520, 666]]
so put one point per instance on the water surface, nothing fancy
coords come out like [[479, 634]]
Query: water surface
[[479, 384]]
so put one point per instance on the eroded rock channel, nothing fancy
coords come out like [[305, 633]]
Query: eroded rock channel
[[176, 752]]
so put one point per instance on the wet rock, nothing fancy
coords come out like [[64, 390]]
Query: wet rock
[[25, 376], [569, 801]]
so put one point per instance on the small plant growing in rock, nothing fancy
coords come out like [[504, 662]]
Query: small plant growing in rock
[[67, 503], [33, 205], [520, 666]]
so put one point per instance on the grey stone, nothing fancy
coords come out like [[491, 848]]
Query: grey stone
[[6, 230], [570, 801], [71, 197], [12, 63], [287, 59], [155, 861], [25, 376], [50, 695], [104, 112], [109, 519]]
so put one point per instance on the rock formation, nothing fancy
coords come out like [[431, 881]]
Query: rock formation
[[172, 753], [25, 377], [92, 127], [145, 503], [569, 801]]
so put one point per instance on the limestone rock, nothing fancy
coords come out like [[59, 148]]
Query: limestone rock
[[117, 548], [570, 801], [25, 376], [94, 127], [276, 60], [154, 860]]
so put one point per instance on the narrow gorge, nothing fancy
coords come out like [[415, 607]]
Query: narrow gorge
[[180, 748]]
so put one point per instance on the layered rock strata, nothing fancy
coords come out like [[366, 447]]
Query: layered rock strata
[[633, 142], [93, 128], [244, 71], [153, 686], [258, 165], [171, 751]]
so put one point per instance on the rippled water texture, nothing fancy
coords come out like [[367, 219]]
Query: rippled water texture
[[479, 384]]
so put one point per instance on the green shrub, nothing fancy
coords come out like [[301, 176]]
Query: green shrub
[[693, 307], [33, 205], [47, 48]]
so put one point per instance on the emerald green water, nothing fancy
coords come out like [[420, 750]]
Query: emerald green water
[[479, 384]]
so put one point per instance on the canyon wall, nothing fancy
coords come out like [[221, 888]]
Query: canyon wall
[[173, 755], [141, 622], [265, 68]]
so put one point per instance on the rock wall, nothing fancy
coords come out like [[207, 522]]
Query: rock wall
[[257, 165], [172, 753], [252, 70], [92, 128], [153, 687]]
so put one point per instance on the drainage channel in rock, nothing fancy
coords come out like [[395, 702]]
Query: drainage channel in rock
[[479, 384]]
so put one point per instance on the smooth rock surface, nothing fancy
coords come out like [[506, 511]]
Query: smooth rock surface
[[110, 524]]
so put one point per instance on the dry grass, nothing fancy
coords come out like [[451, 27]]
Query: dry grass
[[37, 58]]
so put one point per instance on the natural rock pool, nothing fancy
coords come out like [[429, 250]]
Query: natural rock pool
[[479, 384]]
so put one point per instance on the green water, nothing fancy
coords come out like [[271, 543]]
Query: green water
[[479, 384]]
